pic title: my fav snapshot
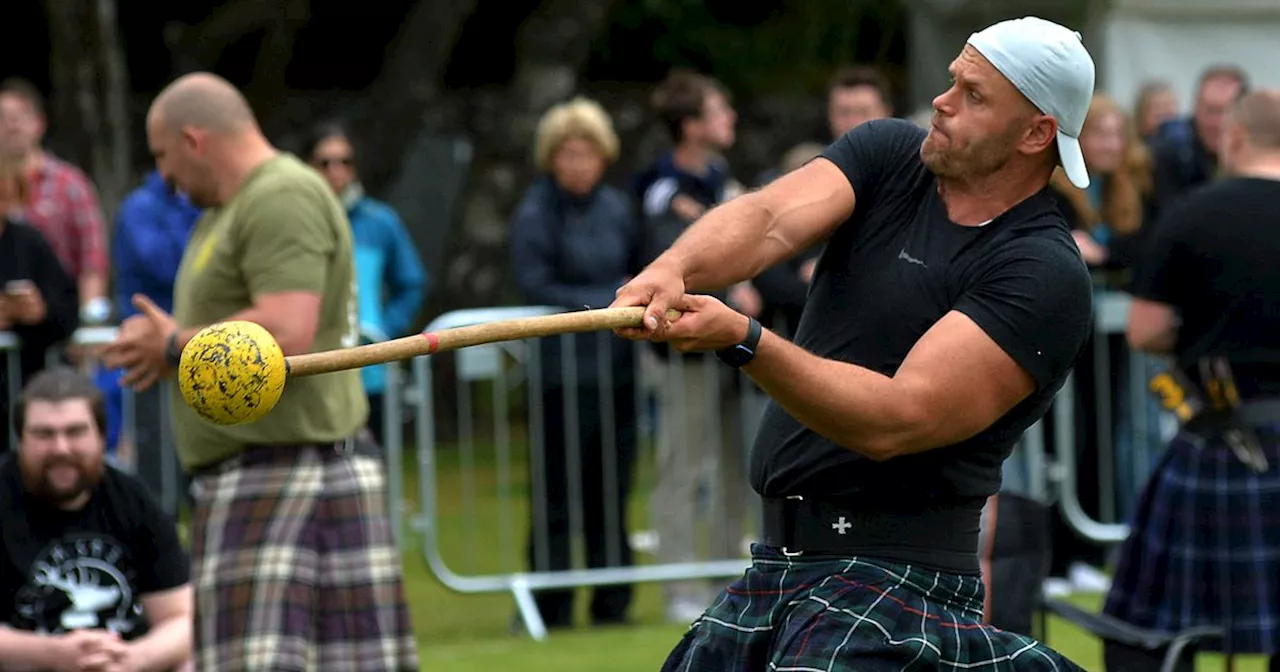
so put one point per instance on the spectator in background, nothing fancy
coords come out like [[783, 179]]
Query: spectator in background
[[1107, 218], [152, 227], [1186, 149], [857, 95], [573, 243], [62, 203], [1204, 547], [694, 451], [1156, 105], [38, 298], [92, 574], [391, 280]]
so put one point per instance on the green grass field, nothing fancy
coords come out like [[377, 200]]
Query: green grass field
[[473, 632]]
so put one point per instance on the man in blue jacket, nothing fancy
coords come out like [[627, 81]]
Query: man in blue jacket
[[152, 227]]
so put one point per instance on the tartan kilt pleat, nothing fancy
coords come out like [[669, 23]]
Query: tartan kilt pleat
[[1204, 547], [296, 567], [829, 614]]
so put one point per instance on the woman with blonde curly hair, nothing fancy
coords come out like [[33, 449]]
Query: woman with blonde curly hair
[[573, 242], [1110, 214]]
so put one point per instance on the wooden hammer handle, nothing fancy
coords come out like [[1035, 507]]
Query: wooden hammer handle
[[428, 343]]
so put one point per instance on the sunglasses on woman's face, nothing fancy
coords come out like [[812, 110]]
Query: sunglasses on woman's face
[[326, 162]]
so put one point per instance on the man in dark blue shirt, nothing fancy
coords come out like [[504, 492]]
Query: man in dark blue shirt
[[948, 308], [151, 232], [700, 404]]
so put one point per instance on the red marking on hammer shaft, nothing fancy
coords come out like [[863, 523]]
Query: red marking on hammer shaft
[[433, 342]]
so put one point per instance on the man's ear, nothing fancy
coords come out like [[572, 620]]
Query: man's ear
[[191, 138], [1040, 135]]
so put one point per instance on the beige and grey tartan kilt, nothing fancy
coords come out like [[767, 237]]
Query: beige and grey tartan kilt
[[296, 567]]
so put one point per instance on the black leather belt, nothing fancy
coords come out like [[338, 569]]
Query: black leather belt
[[946, 538]]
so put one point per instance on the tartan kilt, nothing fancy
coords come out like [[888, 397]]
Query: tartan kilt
[[1204, 547], [295, 565], [835, 614]]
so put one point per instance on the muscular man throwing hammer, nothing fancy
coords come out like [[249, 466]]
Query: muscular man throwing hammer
[[947, 310]]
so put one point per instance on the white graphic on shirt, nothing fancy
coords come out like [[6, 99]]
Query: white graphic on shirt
[[78, 583], [910, 259]]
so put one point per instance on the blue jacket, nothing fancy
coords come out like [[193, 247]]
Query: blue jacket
[[152, 229], [390, 278], [575, 253]]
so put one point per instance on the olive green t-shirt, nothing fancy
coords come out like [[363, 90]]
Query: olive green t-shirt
[[283, 231]]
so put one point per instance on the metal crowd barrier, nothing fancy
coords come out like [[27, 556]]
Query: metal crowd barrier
[[456, 522], [1121, 474], [1110, 319]]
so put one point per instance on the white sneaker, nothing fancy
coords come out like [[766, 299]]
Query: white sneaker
[[644, 541], [684, 611], [1088, 579], [1056, 587]]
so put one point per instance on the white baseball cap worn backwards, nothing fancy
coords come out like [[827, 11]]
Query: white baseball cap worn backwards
[[1050, 66]]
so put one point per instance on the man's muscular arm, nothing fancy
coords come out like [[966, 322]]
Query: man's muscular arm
[[953, 384], [291, 317], [1017, 330], [738, 239]]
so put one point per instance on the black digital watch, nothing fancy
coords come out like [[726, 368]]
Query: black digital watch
[[742, 353]]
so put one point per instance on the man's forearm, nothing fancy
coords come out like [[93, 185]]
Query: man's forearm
[[857, 408], [252, 314], [92, 286], [22, 650], [733, 242], [165, 647]]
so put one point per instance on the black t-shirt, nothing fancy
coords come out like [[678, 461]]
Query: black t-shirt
[[85, 569], [1214, 259], [891, 271]]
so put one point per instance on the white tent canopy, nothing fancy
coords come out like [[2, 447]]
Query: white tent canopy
[[1174, 40]]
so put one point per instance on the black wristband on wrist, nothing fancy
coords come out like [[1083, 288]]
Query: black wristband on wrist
[[742, 353], [172, 354]]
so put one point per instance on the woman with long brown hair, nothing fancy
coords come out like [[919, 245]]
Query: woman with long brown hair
[[1109, 216]]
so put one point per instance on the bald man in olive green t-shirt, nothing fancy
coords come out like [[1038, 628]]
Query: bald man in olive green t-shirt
[[295, 564]]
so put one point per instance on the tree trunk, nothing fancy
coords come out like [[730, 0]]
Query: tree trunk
[[552, 46], [410, 83], [89, 110], [113, 167]]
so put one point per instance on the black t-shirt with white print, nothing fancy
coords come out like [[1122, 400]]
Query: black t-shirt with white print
[[891, 271], [86, 569]]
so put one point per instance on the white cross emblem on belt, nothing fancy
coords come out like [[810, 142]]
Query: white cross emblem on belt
[[841, 525]]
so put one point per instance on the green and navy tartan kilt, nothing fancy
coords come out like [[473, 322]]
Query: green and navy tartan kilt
[[858, 614], [1204, 547], [295, 565]]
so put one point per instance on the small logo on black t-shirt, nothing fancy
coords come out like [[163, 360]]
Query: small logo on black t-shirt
[[910, 259], [78, 582]]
